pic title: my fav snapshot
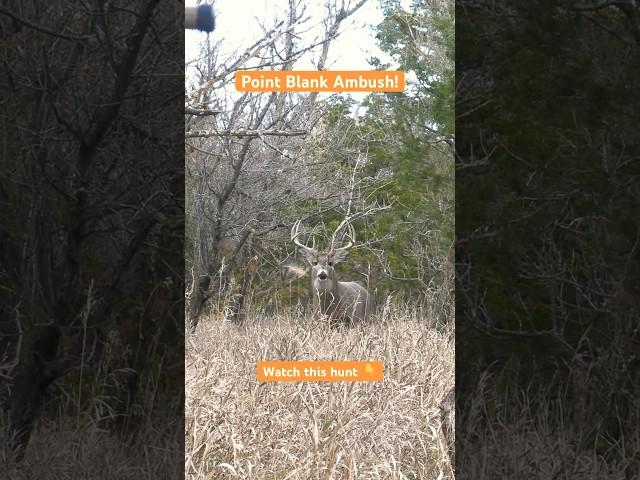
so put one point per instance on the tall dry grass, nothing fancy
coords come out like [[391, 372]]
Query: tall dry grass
[[239, 428], [71, 445], [547, 432]]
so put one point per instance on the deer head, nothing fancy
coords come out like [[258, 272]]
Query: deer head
[[323, 263]]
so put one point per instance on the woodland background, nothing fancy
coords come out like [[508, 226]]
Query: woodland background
[[256, 163]]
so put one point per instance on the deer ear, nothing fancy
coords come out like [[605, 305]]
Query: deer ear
[[308, 254], [339, 256]]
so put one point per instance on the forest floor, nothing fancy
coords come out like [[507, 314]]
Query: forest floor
[[239, 428]]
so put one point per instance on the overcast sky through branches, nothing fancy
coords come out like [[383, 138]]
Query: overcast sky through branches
[[238, 24]]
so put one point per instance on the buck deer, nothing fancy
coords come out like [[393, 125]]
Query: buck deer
[[346, 302]]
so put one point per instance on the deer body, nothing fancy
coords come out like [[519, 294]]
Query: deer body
[[342, 302], [346, 302]]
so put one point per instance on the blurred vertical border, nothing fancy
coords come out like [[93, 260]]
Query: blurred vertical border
[[92, 239], [547, 258]]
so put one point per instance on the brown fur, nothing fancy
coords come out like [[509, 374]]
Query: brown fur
[[342, 302]]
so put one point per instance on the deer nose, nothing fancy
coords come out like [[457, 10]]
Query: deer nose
[[322, 275]]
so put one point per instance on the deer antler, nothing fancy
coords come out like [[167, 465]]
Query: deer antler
[[351, 235], [295, 233]]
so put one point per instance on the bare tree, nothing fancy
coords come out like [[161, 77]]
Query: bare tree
[[250, 162]]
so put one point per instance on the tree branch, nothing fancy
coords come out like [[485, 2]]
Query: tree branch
[[245, 133]]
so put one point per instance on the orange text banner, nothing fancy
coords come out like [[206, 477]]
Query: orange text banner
[[320, 81], [308, 371]]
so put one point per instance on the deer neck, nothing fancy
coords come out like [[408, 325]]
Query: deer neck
[[326, 297]]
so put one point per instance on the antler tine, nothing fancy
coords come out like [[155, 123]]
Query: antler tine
[[295, 233], [351, 235], [337, 230]]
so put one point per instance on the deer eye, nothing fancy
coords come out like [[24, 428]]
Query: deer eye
[[331, 264], [315, 262]]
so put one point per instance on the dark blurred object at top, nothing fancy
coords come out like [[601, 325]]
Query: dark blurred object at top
[[200, 18]]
